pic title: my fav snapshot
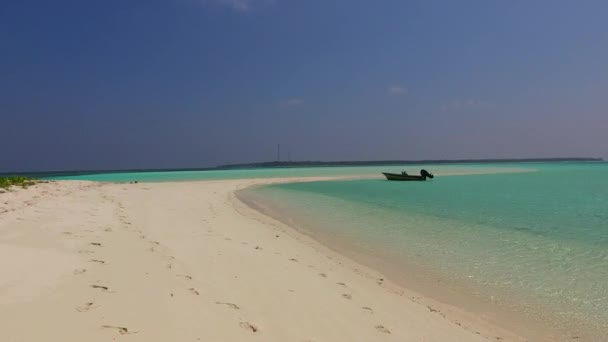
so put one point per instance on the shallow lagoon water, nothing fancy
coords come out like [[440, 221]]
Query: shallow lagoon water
[[539, 239]]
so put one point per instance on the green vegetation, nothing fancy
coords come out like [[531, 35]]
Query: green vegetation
[[24, 182]]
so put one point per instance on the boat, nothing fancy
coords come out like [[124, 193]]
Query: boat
[[424, 174]]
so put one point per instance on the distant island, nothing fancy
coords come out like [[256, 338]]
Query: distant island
[[286, 164], [400, 162]]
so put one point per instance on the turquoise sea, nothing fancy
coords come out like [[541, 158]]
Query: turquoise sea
[[534, 243]]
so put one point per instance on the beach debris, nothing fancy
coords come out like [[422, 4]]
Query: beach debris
[[249, 326], [230, 305], [382, 329], [121, 330]]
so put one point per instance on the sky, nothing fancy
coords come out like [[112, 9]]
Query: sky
[[121, 84]]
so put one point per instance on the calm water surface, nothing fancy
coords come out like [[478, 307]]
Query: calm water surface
[[540, 237]]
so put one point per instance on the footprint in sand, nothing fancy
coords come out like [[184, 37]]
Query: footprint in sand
[[103, 288], [193, 291], [294, 259], [95, 244], [230, 305], [341, 284], [79, 271], [121, 330], [85, 252], [86, 307], [184, 276], [431, 309], [367, 309], [249, 326], [347, 296], [382, 329], [107, 230], [323, 275], [97, 261]]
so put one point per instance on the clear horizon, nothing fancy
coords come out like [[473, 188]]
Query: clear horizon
[[192, 83]]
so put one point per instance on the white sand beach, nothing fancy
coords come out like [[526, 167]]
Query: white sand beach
[[187, 261]]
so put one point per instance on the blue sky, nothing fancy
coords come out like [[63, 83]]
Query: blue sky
[[193, 83]]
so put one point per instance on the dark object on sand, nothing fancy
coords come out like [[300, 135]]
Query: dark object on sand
[[424, 174]]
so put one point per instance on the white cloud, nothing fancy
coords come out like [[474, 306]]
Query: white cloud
[[292, 102], [466, 104], [397, 90], [238, 5]]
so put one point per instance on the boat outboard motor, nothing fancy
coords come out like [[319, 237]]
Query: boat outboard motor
[[424, 173]]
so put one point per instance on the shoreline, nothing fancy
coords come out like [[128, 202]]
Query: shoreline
[[429, 288], [95, 261], [460, 300]]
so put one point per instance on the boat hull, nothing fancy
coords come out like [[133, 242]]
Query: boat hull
[[400, 177]]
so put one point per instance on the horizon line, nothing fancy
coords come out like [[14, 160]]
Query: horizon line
[[310, 163]]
